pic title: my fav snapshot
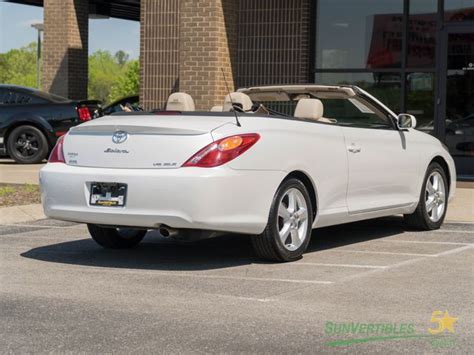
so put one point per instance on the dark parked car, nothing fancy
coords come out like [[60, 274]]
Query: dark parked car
[[130, 103], [31, 121]]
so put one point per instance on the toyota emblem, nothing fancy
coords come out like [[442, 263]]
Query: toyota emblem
[[119, 137]]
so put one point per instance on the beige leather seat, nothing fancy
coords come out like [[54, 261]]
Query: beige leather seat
[[239, 99], [180, 101], [311, 109], [217, 108]]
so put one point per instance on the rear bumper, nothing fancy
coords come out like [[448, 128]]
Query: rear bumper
[[220, 199]]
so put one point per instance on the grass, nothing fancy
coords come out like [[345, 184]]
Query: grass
[[18, 195]]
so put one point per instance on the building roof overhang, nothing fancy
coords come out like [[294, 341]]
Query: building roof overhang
[[123, 9]]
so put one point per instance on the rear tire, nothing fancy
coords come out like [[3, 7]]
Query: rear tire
[[27, 145], [116, 238], [288, 232], [433, 202]]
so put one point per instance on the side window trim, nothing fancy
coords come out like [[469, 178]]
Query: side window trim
[[379, 112]]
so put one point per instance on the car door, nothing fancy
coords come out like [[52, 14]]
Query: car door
[[382, 164]]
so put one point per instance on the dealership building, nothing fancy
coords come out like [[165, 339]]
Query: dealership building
[[417, 56]]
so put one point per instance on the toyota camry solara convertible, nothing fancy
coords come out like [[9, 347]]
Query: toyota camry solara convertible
[[271, 162]]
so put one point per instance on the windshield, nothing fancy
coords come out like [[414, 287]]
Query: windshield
[[354, 111]]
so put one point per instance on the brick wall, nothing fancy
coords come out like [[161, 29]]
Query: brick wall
[[208, 43], [159, 51], [185, 43], [65, 47], [274, 42]]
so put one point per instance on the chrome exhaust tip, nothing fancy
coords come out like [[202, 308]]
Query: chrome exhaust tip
[[168, 232]]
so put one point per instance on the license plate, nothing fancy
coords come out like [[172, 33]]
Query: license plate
[[108, 194]]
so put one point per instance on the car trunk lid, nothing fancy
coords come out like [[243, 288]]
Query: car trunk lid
[[139, 142]]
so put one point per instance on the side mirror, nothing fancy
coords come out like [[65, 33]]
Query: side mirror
[[405, 121]]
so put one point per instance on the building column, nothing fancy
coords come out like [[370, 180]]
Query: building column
[[185, 45], [65, 60], [274, 42]]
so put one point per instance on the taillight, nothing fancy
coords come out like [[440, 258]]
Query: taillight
[[222, 151], [84, 114], [57, 154]]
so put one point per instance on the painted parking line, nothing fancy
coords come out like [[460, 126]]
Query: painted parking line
[[423, 242], [381, 252], [206, 276], [405, 263], [356, 266], [456, 250], [470, 231]]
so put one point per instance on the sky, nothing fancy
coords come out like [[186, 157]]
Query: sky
[[106, 34]]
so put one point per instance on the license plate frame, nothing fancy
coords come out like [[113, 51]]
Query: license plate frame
[[108, 194]]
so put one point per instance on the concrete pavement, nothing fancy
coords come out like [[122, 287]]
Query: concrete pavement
[[13, 173], [61, 293]]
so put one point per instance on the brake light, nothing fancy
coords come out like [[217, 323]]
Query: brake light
[[57, 154], [222, 151], [84, 114]]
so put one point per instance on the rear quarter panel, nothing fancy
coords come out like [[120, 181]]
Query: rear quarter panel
[[286, 145]]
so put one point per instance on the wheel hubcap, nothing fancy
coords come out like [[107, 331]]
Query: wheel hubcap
[[27, 144], [292, 221], [435, 196]]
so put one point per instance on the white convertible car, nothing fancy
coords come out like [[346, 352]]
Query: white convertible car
[[337, 156]]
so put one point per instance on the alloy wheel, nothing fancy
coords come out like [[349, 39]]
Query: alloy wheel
[[292, 221], [435, 196]]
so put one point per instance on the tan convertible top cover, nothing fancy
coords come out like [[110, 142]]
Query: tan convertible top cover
[[285, 92]]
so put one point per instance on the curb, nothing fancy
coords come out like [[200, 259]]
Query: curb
[[18, 214]]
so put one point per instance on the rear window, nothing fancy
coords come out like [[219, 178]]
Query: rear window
[[49, 97], [11, 96], [8, 97]]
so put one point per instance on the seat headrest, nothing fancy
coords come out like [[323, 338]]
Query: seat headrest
[[239, 99], [180, 101], [217, 108], [311, 109]]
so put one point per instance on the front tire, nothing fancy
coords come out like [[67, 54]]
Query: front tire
[[433, 203], [27, 145], [288, 231], [116, 238]]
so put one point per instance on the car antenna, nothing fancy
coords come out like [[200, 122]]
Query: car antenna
[[231, 101]]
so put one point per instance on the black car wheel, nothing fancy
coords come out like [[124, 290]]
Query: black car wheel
[[27, 145]]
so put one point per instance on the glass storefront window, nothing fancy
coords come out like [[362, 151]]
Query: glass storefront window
[[458, 10], [422, 29], [460, 101], [384, 86], [420, 99], [359, 34]]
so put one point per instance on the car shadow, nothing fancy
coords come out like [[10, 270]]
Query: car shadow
[[158, 253]]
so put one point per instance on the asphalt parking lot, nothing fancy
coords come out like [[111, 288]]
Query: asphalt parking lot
[[61, 293]]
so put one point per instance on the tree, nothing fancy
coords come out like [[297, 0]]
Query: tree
[[110, 76], [18, 66], [121, 57], [128, 84]]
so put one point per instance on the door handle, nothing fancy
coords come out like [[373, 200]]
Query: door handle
[[353, 148]]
